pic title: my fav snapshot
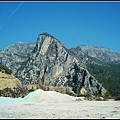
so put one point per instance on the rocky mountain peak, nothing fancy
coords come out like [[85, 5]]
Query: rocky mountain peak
[[52, 64], [43, 42], [49, 62], [46, 35]]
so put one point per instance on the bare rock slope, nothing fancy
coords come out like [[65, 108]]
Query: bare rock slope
[[51, 63]]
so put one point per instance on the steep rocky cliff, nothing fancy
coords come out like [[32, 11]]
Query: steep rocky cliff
[[51, 63], [103, 64]]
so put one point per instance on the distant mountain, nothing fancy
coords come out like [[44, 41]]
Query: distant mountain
[[103, 64], [13, 56], [50, 63], [100, 53]]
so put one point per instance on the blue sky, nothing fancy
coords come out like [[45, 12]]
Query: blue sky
[[73, 23]]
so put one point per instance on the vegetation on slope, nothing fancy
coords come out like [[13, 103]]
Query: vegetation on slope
[[109, 76], [106, 73], [5, 69]]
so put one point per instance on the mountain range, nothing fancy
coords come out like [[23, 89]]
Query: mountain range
[[48, 62]]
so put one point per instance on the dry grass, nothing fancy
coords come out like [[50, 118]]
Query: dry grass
[[7, 80]]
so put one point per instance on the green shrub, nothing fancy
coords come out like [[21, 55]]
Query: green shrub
[[107, 95], [117, 97], [31, 90], [3, 67]]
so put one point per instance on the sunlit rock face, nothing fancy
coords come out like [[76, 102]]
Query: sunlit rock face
[[50, 63]]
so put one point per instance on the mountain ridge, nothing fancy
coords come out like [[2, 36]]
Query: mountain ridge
[[48, 62], [52, 64], [101, 53]]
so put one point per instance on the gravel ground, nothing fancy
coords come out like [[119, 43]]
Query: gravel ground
[[63, 109]]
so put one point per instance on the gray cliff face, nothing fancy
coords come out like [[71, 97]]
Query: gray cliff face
[[51, 63], [14, 55], [100, 53]]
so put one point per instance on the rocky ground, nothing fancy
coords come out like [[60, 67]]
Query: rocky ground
[[51, 104]]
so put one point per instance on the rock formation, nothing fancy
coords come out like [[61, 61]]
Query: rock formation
[[13, 56], [51, 63]]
